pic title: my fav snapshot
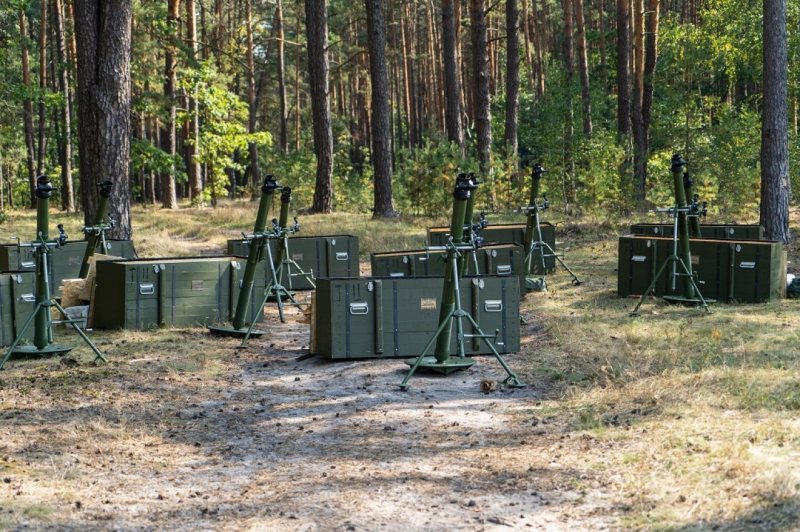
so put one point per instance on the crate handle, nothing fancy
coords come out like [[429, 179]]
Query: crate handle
[[358, 309], [398, 274], [494, 305], [342, 255], [639, 258], [505, 269], [28, 264], [147, 289], [747, 265], [28, 298]]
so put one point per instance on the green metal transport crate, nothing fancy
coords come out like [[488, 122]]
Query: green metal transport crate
[[496, 233], [494, 259], [17, 301], [716, 231], [393, 317], [169, 292], [748, 271], [325, 256], [65, 262]]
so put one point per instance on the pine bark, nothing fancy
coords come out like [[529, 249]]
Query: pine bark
[[381, 130], [317, 35], [252, 149], [775, 184], [650, 60], [169, 137], [103, 36], [284, 118], [583, 64], [42, 140], [65, 154], [512, 77], [639, 148], [193, 170], [27, 107], [624, 68], [452, 78], [602, 27], [480, 67]]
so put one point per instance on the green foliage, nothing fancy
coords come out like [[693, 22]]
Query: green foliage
[[222, 129]]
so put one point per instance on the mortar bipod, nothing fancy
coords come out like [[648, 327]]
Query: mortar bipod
[[41, 318], [680, 260], [280, 232], [451, 308], [533, 233]]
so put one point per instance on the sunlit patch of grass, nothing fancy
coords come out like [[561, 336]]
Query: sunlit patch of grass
[[37, 511]]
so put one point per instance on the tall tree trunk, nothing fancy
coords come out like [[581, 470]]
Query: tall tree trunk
[[193, 170], [317, 35], [452, 81], [602, 27], [103, 34], [775, 184], [66, 116], [540, 42], [252, 149], [284, 136], [381, 132], [583, 63], [27, 107], [297, 87], [568, 180], [639, 142], [169, 198], [624, 68], [512, 77], [483, 111], [42, 142], [650, 59]]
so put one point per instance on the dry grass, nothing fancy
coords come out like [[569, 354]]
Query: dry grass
[[670, 421]]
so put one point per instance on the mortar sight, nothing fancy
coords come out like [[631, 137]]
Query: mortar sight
[[464, 186], [104, 188], [678, 162], [270, 184], [43, 187]]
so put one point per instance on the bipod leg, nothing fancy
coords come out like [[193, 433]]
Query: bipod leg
[[646, 293], [512, 380], [404, 384], [696, 288], [279, 291], [82, 334], [19, 337], [259, 312], [575, 279]]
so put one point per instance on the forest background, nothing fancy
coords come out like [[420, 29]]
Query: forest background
[[601, 92]]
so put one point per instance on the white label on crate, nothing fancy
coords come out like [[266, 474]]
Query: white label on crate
[[427, 303]]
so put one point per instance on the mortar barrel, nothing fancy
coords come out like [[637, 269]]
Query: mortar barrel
[[461, 193], [530, 228], [41, 322], [684, 249], [95, 237], [256, 251], [283, 221], [688, 189]]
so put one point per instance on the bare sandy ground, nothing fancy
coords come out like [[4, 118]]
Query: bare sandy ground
[[191, 433]]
